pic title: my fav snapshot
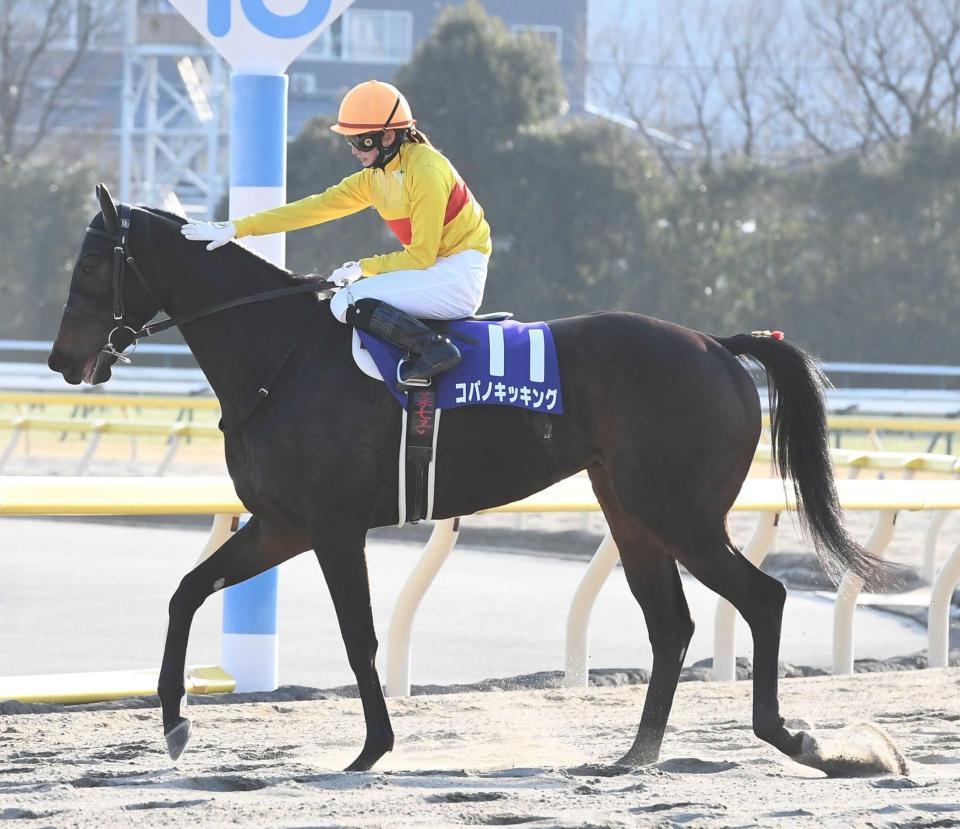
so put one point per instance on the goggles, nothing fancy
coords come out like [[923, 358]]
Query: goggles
[[365, 141]]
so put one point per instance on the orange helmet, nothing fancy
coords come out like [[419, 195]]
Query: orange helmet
[[370, 106]]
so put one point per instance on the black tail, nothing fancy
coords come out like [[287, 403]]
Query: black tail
[[801, 451]]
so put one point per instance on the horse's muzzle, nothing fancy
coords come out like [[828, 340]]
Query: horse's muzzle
[[71, 370], [95, 369]]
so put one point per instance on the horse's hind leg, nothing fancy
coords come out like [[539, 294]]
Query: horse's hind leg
[[655, 583], [713, 559], [254, 549], [342, 558]]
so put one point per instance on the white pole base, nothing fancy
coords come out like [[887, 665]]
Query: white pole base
[[252, 659]]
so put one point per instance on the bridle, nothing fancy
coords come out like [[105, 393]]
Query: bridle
[[123, 261], [85, 308]]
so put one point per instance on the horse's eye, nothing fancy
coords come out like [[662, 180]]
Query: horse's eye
[[88, 266]]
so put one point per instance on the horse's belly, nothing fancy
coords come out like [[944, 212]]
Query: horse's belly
[[488, 456]]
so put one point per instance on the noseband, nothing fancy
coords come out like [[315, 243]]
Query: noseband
[[123, 261]]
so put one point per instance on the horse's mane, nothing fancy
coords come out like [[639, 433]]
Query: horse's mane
[[244, 252]]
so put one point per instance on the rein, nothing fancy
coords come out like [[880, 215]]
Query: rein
[[123, 261]]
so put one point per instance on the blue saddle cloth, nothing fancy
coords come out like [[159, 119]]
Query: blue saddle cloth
[[505, 363]]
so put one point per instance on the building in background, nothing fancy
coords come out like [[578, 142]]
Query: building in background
[[374, 38], [150, 93]]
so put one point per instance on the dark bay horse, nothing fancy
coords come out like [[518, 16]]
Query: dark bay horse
[[664, 419]]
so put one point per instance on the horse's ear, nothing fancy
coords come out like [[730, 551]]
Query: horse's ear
[[111, 219]]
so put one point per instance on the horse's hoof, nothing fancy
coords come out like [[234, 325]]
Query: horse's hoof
[[366, 760], [177, 738], [362, 763], [635, 759], [857, 750]]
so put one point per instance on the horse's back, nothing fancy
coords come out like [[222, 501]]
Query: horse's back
[[624, 350], [662, 403]]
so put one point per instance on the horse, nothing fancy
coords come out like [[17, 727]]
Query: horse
[[664, 420]]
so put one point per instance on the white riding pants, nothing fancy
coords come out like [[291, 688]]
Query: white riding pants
[[452, 287]]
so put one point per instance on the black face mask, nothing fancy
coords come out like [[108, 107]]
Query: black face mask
[[367, 141]]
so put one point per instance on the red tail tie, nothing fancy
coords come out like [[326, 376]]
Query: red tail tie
[[776, 335]]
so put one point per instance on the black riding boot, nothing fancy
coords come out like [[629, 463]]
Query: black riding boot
[[432, 351]]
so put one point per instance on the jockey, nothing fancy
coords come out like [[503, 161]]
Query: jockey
[[441, 271]]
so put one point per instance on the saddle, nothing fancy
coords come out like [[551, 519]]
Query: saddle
[[366, 363], [504, 363], [419, 425]]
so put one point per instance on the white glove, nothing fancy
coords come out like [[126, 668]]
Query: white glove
[[216, 233], [346, 274]]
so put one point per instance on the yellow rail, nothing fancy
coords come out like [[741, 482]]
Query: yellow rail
[[117, 496], [160, 428], [887, 461], [216, 495], [836, 422], [869, 423], [99, 686], [29, 398], [870, 459]]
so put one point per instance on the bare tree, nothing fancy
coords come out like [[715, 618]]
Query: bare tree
[[698, 70], [629, 82], [750, 32], [878, 70], [789, 79], [774, 78], [701, 79], [42, 45]]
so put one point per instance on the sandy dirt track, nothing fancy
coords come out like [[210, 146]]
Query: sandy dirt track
[[508, 758]]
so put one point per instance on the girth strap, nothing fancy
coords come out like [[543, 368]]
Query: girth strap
[[421, 424]]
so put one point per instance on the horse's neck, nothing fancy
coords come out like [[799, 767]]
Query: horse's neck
[[241, 349]]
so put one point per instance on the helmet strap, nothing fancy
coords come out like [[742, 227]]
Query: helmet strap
[[384, 154]]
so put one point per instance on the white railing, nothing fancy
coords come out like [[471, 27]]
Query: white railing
[[766, 497], [215, 496]]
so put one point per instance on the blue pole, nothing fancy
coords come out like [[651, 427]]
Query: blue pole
[[258, 175]]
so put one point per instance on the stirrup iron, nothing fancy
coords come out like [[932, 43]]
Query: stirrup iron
[[420, 383]]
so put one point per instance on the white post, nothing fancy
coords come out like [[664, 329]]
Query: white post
[[173, 443], [438, 547], [725, 618], [930, 545], [938, 617], [16, 430], [93, 436], [849, 589], [223, 527], [578, 618]]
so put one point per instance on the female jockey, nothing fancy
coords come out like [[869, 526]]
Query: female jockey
[[441, 271]]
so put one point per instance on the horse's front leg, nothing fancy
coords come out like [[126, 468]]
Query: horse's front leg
[[342, 558], [254, 549]]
